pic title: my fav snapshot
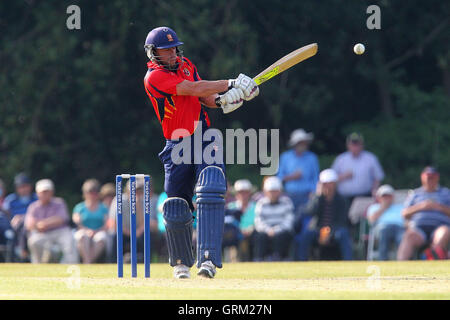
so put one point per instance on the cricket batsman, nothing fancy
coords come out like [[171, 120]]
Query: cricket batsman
[[178, 95]]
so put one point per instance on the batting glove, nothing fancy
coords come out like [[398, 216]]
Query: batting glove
[[231, 100], [246, 84]]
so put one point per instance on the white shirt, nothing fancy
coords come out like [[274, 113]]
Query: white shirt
[[365, 168]]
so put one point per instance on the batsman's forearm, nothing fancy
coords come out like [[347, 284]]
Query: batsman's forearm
[[207, 88], [202, 88]]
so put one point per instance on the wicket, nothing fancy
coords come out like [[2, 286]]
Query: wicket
[[119, 225]]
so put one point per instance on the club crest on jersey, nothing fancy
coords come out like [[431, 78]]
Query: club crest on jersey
[[186, 72], [169, 37]]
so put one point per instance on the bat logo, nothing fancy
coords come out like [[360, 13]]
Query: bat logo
[[269, 75]]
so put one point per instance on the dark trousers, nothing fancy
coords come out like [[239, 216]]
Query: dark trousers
[[306, 239], [180, 178], [272, 248]]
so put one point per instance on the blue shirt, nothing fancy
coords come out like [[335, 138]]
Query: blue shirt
[[15, 204], [307, 163], [429, 217], [392, 215], [91, 219]]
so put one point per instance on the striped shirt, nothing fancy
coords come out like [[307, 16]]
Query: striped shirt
[[278, 216], [327, 217], [429, 217]]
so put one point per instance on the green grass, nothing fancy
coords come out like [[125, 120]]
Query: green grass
[[254, 281]]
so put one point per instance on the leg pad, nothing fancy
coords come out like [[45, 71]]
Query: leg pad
[[178, 222]]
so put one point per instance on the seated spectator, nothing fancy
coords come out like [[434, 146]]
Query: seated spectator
[[427, 213], [385, 217], [329, 219], [274, 217], [232, 235], [16, 204], [107, 194], [246, 223], [90, 216], [6, 238], [47, 221], [2, 192]]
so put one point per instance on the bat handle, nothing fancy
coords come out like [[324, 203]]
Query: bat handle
[[220, 101]]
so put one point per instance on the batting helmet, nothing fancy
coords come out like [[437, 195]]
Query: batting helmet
[[161, 38]]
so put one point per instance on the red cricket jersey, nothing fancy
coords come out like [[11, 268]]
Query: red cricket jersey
[[173, 111]]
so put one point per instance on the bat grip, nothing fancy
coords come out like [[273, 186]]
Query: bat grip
[[220, 101]]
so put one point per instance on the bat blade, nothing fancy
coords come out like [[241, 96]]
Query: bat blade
[[286, 62]]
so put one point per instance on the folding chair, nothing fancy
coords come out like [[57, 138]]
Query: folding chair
[[357, 216]]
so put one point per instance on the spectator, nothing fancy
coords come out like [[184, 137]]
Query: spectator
[[154, 233], [359, 171], [232, 235], [299, 169], [16, 205], [385, 217], [6, 238], [427, 212], [229, 196], [246, 206], [2, 193], [330, 223], [274, 218], [47, 221], [107, 194], [90, 216]]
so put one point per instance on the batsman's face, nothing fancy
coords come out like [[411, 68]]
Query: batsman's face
[[167, 56]]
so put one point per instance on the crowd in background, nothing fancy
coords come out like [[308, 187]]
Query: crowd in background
[[303, 213]]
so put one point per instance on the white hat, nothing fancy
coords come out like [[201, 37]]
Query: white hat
[[299, 135], [243, 185], [273, 184], [328, 175], [44, 185], [384, 189]]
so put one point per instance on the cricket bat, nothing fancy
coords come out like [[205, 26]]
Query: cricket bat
[[286, 62], [282, 64]]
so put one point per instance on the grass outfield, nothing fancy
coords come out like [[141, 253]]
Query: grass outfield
[[288, 280]]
